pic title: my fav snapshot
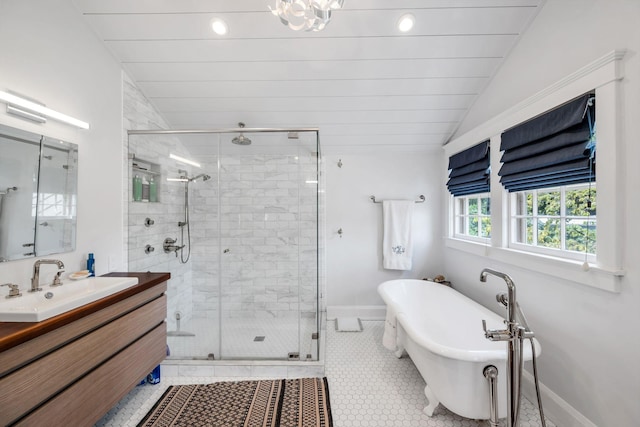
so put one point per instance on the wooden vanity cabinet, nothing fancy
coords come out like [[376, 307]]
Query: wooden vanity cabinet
[[78, 369]]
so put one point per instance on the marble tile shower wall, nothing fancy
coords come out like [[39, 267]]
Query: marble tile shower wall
[[205, 252], [267, 239], [165, 214], [138, 113]]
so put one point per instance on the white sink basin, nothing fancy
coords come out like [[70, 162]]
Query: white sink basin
[[54, 300]]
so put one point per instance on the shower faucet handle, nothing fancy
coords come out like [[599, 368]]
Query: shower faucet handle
[[170, 246]]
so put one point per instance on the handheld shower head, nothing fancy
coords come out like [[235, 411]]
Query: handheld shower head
[[204, 177]]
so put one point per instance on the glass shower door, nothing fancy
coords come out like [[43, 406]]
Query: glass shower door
[[261, 186]]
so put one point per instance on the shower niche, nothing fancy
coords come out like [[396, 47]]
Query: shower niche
[[244, 219], [145, 180]]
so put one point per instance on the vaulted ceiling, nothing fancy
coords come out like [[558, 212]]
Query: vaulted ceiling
[[360, 80]]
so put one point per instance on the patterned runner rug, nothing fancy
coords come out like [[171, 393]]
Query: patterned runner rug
[[300, 402]]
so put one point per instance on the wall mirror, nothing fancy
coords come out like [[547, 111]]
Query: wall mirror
[[38, 193]]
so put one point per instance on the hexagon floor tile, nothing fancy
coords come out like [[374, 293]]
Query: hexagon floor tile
[[368, 385]]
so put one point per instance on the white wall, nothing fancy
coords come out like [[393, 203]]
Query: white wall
[[589, 337], [49, 54], [354, 261]]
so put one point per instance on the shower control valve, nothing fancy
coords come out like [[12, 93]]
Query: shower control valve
[[169, 246]]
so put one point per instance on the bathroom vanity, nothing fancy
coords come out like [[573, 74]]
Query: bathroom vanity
[[72, 368]]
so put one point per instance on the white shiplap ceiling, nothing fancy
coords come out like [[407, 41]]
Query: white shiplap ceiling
[[361, 81]]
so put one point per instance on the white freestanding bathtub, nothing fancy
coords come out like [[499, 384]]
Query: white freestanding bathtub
[[441, 330]]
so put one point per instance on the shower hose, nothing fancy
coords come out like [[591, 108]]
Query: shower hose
[[535, 378]]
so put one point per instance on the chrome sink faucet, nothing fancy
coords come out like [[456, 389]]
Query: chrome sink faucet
[[35, 280]]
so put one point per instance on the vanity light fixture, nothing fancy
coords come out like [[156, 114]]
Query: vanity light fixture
[[25, 108], [25, 114], [219, 27], [183, 160], [406, 22], [177, 179]]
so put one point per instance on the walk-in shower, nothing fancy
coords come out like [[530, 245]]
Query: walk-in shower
[[241, 209]]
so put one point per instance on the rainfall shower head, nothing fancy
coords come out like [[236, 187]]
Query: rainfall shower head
[[241, 139]]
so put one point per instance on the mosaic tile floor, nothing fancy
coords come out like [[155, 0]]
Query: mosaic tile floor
[[368, 386]]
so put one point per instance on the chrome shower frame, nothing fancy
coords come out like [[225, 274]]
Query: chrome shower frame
[[223, 130]]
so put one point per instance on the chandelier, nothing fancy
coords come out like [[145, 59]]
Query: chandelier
[[308, 15]]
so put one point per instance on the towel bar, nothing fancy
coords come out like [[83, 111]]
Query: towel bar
[[373, 199]]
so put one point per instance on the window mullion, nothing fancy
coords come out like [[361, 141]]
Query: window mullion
[[563, 216], [466, 216], [478, 215], [534, 219]]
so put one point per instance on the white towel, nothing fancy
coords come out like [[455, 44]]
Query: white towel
[[396, 242]]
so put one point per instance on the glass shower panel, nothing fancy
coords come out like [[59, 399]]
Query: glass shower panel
[[236, 225], [309, 214], [177, 231], [261, 190]]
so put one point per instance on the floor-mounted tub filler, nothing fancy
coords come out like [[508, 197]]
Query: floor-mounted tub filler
[[442, 331]]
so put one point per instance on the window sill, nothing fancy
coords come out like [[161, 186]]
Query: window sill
[[596, 276]]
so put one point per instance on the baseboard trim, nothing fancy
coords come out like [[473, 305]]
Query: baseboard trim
[[555, 408], [364, 312]]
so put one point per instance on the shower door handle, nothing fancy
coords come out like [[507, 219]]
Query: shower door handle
[[226, 251]]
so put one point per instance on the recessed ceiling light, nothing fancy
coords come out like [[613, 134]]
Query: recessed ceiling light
[[219, 27], [405, 23]]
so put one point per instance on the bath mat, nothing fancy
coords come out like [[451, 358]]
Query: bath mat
[[264, 403], [348, 324]]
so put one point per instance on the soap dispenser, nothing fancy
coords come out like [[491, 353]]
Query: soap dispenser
[[91, 265], [153, 190], [137, 188], [145, 189]]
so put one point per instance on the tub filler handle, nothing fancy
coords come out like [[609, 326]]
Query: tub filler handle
[[495, 334]]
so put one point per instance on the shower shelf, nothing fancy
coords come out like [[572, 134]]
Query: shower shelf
[[147, 171]]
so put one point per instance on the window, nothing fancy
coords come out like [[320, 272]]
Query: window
[[473, 216], [555, 221], [548, 165], [546, 219], [469, 185]]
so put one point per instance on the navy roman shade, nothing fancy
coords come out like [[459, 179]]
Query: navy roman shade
[[554, 149], [469, 171]]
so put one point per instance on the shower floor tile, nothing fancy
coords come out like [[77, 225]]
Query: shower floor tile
[[369, 387], [280, 337]]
